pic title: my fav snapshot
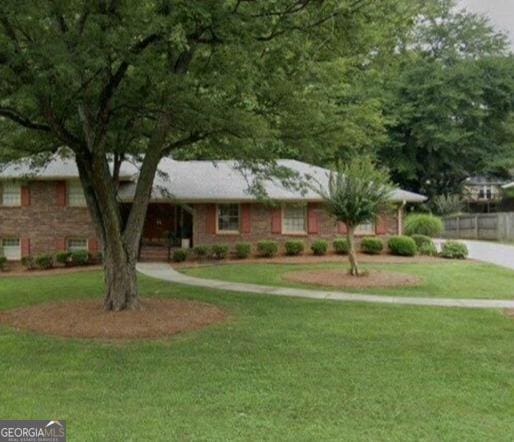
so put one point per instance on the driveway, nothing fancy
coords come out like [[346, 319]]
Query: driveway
[[491, 252]]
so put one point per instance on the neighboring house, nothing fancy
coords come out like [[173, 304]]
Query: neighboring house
[[483, 194], [193, 202]]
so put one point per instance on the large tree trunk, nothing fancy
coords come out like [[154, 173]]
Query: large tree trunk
[[352, 256]]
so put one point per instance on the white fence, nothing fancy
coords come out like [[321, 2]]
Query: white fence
[[492, 226]]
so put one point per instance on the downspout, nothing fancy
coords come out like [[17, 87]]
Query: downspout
[[400, 217]]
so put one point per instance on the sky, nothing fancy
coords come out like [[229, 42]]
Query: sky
[[501, 13]]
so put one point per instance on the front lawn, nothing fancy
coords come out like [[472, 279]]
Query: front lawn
[[282, 370], [451, 279]]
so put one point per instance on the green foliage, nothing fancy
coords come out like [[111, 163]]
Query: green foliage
[[448, 204], [371, 245], [201, 251], [454, 250], [179, 255], [44, 262], [63, 258], [243, 250], [294, 248], [341, 246], [428, 249], [29, 262], [80, 258], [219, 251], [357, 193], [319, 247], [267, 248], [402, 246], [421, 240], [3, 263], [423, 224]]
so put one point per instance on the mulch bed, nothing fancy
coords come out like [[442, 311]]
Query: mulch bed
[[342, 279], [158, 318], [16, 269]]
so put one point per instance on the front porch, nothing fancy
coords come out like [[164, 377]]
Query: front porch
[[168, 226]]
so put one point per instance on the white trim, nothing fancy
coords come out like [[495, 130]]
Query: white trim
[[228, 232], [86, 249], [14, 186], [80, 200], [13, 252], [305, 220]]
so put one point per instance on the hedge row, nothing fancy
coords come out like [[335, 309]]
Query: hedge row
[[67, 259]]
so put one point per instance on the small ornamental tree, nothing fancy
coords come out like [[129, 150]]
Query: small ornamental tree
[[357, 192]]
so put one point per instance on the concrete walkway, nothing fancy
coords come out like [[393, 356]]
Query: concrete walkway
[[166, 273]]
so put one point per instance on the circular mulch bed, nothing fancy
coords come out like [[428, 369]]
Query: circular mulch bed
[[341, 279], [158, 318]]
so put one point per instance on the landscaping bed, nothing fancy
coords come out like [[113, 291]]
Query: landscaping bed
[[158, 318], [342, 279]]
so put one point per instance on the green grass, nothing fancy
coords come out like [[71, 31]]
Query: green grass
[[282, 370], [452, 279]]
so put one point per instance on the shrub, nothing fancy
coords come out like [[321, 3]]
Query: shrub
[[219, 251], [421, 240], [80, 258], [372, 246], [44, 262], [28, 262], [423, 224], [63, 258], [201, 251], [319, 247], [243, 250], [3, 263], [454, 250], [294, 248], [179, 255], [402, 246], [428, 249], [341, 246], [267, 248], [98, 258]]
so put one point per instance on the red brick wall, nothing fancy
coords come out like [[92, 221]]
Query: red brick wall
[[43, 222], [261, 226]]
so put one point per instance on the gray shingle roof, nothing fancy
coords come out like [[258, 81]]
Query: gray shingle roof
[[195, 181]]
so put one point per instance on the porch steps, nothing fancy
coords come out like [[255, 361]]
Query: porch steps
[[153, 254]]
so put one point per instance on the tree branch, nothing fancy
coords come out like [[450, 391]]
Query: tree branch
[[18, 118]]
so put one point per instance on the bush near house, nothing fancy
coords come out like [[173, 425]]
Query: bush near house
[[423, 224], [179, 255], [63, 258], [402, 246], [219, 251], [341, 246], [454, 250], [243, 250], [428, 249], [372, 246], [267, 248], [201, 251], [44, 262], [421, 240], [3, 263], [294, 248], [28, 262], [320, 247], [80, 258]]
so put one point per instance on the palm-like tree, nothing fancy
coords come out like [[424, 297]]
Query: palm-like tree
[[357, 193]]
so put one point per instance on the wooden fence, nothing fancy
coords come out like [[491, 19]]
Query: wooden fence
[[491, 226]]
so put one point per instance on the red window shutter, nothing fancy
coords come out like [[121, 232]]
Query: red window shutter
[[246, 220], [276, 220], [61, 194], [381, 225], [25, 247], [60, 245], [25, 196], [210, 219], [313, 218], [92, 246], [341, 228]]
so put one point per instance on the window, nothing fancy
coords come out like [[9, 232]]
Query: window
[[365, 229], [77, 245], [11, 248], [294, 219], [228, 218], [11, 194], [76, 195]]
